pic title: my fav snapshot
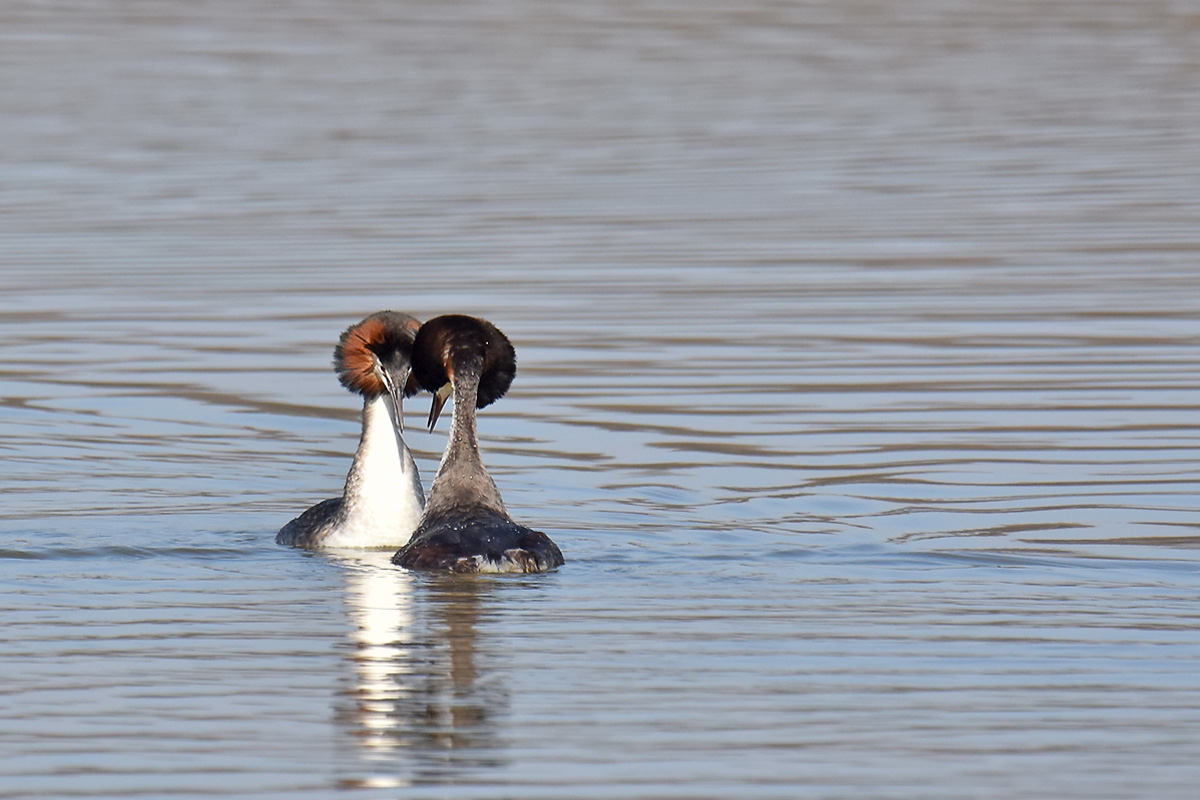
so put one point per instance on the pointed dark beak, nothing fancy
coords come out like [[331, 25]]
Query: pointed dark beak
[[439, 400], [395, 387]]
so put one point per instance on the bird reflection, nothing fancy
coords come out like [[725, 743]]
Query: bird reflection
[[420, 709]]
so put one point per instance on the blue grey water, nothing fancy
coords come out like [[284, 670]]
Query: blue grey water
[[859, 364]]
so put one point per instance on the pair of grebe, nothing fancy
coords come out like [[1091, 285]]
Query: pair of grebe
[[464, 526]]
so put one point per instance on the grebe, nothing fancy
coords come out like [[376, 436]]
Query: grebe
[[465, 527], [382, 501]]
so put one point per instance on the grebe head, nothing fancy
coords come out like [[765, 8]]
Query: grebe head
[[453, 344], [375, 356]]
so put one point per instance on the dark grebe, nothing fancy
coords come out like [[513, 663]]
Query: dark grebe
[[465, 527], [383, 499]]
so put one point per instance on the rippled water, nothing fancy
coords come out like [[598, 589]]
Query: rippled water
[[858, 383]]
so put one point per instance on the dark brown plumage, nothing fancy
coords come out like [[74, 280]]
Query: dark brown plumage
[[454, 341], [465, 527]]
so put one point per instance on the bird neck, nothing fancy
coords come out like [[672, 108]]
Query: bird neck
[[462, 479], [383, 473]]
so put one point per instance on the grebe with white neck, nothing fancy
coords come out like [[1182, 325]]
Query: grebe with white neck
[[383, 499], [465, 527]]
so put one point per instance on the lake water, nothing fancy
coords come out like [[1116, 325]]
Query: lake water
[[859, 364]]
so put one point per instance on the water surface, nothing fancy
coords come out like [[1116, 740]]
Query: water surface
[[858, 354]]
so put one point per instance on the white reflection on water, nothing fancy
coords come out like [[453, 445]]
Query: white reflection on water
[[419, 711], [379, 600]]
